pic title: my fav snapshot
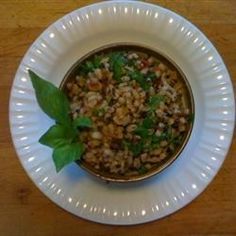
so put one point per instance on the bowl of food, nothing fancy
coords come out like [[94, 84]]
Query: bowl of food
[[137, 108], [123, 112]]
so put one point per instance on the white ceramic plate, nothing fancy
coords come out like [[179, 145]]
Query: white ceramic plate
[[77, 33]]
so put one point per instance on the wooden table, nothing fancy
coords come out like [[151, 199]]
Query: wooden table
[[24, 210]]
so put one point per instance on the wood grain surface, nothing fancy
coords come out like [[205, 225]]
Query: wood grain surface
[[24, 210]]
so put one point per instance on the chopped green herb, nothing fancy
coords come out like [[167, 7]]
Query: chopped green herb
[[99, 111], [167, 134], [156, 139], [141, 79], [146, 85], [155, 101], [83, 122], [90, 65], [151, 75], [142, 131], [135, 148], [155, 142], [177, 140], [149, 122], [149, 140], [86, 68], [117, 62], [142, 170], [137, 75], [131, 63], [97, 61]]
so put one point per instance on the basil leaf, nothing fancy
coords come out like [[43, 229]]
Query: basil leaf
[[83, 122], [66, 154], [51, 99], [57, 135]]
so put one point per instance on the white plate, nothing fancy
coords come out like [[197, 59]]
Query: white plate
[[77, 33]]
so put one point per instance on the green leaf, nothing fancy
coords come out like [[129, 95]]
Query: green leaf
[[156, 140], [146, 86], [90, 65], [57, 135], [135, 148], [151, 75], [141, 79], [97, 61], [142, 131], [60, 136], [137, 76], [167, 135], [117, 62], [155, 101], [149, 122], [83, 122], [51, 99], [66, 154], [142, 170], [177, 140]]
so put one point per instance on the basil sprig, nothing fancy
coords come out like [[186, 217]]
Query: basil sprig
[[63, 135]]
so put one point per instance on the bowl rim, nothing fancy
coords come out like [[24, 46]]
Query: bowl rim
[[162, 167]]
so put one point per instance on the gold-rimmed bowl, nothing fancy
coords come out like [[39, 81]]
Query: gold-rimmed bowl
[[188, 98]]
